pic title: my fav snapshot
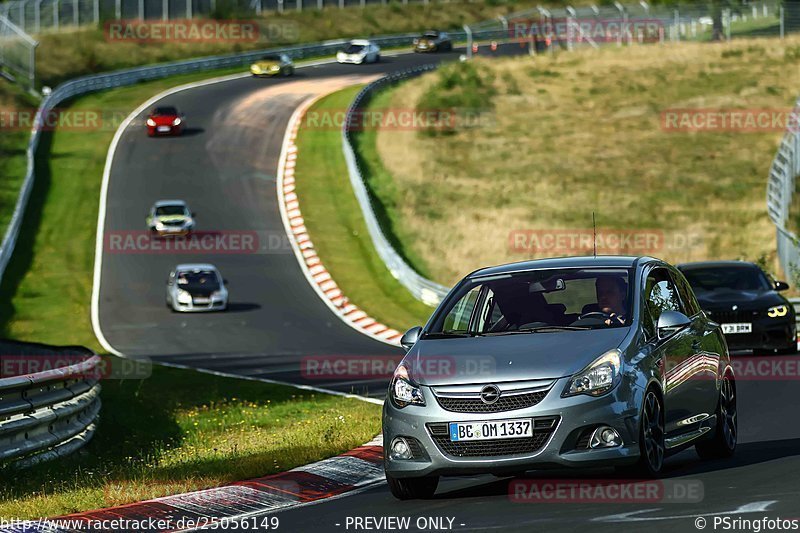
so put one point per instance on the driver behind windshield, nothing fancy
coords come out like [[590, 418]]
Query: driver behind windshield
[[611, 294]]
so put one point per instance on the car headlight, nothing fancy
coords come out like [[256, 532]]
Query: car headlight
[[777, 311], [274, 68], [403, 391], [160, 225], [217, 294], [176, 122], [184, 297], [151, 122], [598, 378]]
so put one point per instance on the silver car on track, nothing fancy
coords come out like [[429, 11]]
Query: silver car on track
[[571, 362], [196, 288]]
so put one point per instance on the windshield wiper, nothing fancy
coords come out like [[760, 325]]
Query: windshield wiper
[[541, 329]]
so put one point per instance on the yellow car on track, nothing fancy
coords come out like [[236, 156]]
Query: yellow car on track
[[272, 65]]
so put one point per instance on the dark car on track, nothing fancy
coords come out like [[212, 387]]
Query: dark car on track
[[570, 362], [433, 41], [164, 120], [747, 302]]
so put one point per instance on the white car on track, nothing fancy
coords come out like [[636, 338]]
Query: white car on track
[[196, 288], [359, 51], [170, 218]]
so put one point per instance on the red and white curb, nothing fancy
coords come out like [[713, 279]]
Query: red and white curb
[[330, 478], [311, 264]]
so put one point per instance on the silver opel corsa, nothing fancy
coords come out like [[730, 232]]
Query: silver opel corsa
[[570, 362]]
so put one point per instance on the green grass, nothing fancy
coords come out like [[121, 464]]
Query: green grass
[[205, 431], [178, 430], [335, 224], [13, 145]]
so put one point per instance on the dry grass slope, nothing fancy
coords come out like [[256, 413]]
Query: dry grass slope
[[581, 132]]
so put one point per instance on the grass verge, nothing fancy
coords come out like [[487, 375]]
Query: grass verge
[[573, 133], [336, 226], [206, 431]]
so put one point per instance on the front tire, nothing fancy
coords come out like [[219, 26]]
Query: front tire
[[723, 443], [412, 488], [651, 438]]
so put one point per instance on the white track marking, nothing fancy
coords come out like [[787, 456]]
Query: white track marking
[[633, 516]]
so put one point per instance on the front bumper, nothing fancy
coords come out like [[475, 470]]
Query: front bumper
[[425, 49], [170, 130], [767, 334], [213, 305], [561, 447], [351, 60], [264, 73]]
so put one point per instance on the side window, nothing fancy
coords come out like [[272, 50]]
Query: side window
[[458, 317], [648, 324], [687, 294], [662, 295]]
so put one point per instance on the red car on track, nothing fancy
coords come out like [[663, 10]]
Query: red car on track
[[164, 120]]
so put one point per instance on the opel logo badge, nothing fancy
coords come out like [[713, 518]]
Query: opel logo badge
[[490, 394]]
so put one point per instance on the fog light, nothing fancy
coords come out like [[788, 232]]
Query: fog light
[[605, 437], [400, 449]]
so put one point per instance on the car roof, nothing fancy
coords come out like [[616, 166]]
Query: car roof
[[162, 203], [195, 266], [601, 261], [362, 42], [715, 264]]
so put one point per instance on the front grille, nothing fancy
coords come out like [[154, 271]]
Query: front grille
[[504, 403], [543, 429], [728, 317]]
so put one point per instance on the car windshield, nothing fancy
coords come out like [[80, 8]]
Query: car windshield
[[739, 278], [160, 111], [430, 34], [170, 210], [198, 279], [271, 58], [543, 300], [354, 49]]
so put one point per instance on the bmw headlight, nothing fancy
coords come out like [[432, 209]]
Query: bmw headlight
[[598, 378], [403, 391], [777, 311], [184, 297]]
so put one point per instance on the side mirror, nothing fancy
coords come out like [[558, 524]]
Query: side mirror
[[224, 281], [781, 286], [410, 338], [671, 321]]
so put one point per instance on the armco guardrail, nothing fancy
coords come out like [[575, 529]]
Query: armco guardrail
[[423, 289], [780, 192], [50, 413]]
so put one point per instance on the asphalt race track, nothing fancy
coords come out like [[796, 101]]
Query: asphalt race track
[[224, 167]]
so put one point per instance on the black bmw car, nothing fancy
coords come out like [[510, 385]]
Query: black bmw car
[[747, 302]]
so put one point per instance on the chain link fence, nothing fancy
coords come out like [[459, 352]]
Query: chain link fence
[[17, 53]]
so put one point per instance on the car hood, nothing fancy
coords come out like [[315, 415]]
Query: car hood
[[172, 218], [266, 65], [523, 356], [164, 120], [725, 299]]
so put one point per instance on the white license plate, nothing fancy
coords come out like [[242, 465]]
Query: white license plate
[[202, 300], [491, 429], [163, 128], [743, 327]]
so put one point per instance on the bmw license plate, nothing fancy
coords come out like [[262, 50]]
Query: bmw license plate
[[742, 327], [491, 429], [163, 128]]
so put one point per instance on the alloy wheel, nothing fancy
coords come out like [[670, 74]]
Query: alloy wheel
[[653, 426]]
